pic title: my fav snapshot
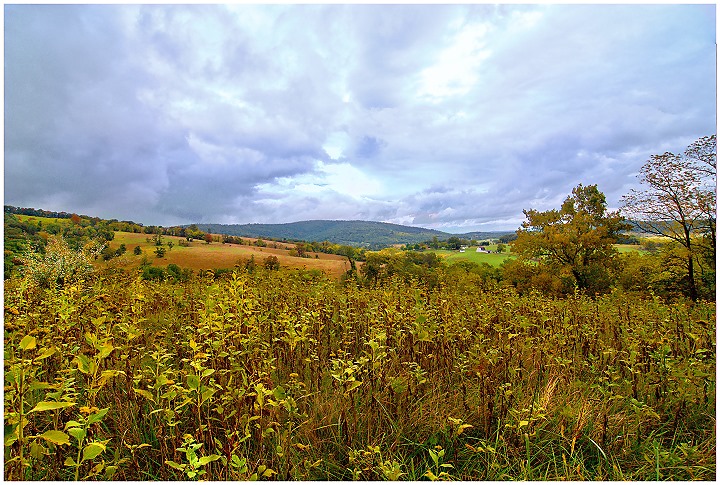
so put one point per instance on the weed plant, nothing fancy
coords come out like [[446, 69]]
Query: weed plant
[[286, 375]]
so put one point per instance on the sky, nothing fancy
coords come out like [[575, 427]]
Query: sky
[[450, 117]]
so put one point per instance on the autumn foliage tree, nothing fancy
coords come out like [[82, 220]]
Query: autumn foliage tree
[[678, 202], [573, 245]]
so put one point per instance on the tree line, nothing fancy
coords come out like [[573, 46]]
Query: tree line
[[571, 249]]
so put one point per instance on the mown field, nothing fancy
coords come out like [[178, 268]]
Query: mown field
[[288, 375], [495, 260], [470, 254], [202, 256]]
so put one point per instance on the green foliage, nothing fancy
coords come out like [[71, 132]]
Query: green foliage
[[60, 264], [573, 245], [678, 201], [287, 375], [272, 263]]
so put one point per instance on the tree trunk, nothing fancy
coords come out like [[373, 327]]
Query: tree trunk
[[691, 266]]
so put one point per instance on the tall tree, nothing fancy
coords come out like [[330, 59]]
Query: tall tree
[[574, 243], [678, 202]]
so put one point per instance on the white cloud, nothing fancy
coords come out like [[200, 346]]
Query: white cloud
[[456, 70], [450, 115]]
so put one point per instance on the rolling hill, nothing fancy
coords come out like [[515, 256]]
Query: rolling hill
[[369, 234]]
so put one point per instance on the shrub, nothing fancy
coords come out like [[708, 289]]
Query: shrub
[[153, 273], [60, 264]]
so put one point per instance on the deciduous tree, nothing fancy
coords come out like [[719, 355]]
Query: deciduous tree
[[678, 201], [574, 243]]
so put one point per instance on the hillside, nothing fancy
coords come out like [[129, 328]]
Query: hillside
[[368, 234]]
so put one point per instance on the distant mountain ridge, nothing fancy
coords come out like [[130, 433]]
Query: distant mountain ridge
[[370, 234]]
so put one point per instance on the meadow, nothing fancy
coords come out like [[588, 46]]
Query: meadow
[[290, 375], [198, 255], [493, 259]]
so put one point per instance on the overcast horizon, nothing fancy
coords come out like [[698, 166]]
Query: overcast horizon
[[448, 117]]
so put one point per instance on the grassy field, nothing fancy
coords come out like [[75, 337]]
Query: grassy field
[[470, 254], [200, 255], [495, 260], [629, 248], [44, 220]]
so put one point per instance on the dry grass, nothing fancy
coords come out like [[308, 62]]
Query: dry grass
[[202, 256]]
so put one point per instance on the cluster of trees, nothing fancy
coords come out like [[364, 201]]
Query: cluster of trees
[[455, 243], [22, 236], [572, 248]]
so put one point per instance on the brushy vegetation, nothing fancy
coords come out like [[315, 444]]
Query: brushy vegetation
[[288, 375]]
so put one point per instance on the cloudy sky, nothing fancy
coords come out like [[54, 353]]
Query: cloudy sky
[[447, 117]]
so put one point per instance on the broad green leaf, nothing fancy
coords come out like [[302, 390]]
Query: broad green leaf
[[162, 380], [56, 437], [92, 450], [37, 385], [107, 375], [434, 456], [206, 394], [28, 342], [47, 352], [193, 381], [50, 406], [174, 465], [110, 472], [207, 459], [95, 417], [77, 433], [37, 450], [70, 462], [208, 372], [105, 350], [83, 363], [353, 385], [279, 393], [11, 434]]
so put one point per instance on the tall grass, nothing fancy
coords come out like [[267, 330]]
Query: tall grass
[[284, 375]]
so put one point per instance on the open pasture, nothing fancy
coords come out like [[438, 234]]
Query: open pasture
[[199, 255], [470, 254]]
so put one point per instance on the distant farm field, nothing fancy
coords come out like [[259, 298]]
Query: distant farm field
[[495, 260], [629, 248], [201, 256], [471, 254]]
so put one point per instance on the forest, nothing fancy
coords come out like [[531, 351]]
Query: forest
[[570, 361]]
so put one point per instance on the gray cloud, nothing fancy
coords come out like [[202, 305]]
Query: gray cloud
[[455, 117]]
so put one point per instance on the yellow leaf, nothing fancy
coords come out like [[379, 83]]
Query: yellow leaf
[[28, 342], [56, 437]]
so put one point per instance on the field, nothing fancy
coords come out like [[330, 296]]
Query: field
[[629, 248], [470, 254], [288, 375], [495, 260], [201, 256]]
